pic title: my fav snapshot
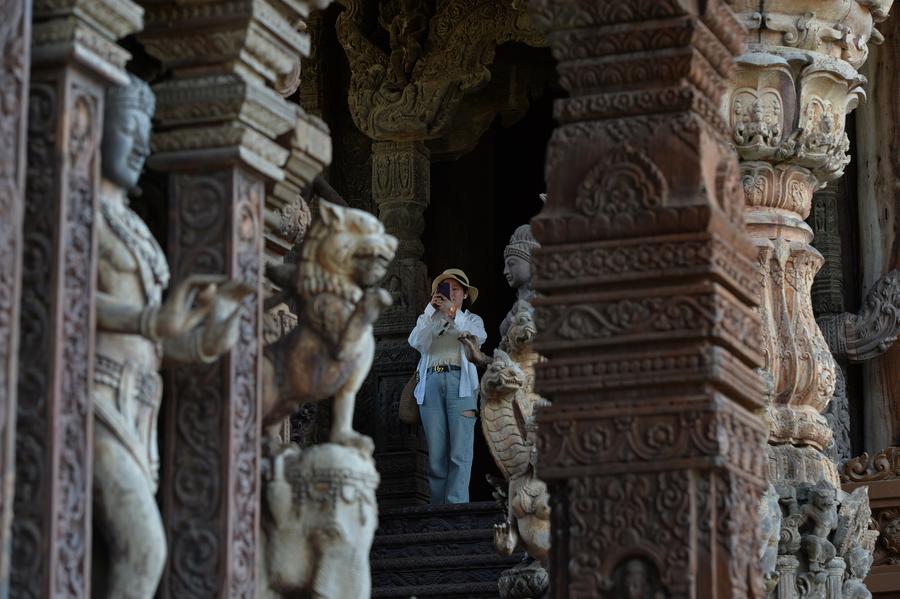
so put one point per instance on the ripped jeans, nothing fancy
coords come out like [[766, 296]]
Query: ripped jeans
[[449, 423]]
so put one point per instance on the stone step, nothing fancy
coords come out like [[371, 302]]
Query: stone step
[[438, 552]]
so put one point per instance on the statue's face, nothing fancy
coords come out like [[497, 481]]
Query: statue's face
[[517, 271], [126, 145], [635, 580]]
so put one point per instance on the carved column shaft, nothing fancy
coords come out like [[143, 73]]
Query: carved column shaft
[[225, 134], [74, 57], [652, 448], [401, 188], [15, 46], [211, 488]]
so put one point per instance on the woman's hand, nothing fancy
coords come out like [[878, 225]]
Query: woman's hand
[[443, 305]]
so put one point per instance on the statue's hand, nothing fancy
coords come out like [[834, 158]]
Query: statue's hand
[[222, 326], [186, 307], [472, 351]]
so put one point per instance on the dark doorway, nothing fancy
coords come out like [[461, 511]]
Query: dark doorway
[[477, 201]]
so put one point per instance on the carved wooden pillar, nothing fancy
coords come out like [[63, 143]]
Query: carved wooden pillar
[[401, 188], [74, 58], [219, 118], [878, 197], [15, 45], [787, 107], [652, 447]]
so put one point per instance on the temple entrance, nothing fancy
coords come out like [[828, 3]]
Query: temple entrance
[[477, 201]]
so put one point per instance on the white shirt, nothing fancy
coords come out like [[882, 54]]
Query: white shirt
[[427, 328]]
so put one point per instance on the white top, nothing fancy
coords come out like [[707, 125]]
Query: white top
[[428, 328], [444, 350]]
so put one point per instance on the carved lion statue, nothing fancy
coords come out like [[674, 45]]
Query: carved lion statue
[[329, 353]]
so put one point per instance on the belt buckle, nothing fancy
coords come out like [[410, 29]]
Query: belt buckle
[[439, 368]]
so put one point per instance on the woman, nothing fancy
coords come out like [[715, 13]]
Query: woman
[[447, 385]]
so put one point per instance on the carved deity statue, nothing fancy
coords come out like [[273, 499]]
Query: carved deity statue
[[136, 330], [508, 401]]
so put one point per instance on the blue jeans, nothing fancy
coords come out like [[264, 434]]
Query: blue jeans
[[450, 435]]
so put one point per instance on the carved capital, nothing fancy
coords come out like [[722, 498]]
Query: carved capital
[[839, 29], [411, 90], [790, 107], [256, 38]]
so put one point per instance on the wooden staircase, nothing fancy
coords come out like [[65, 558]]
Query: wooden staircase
[[438, 552]]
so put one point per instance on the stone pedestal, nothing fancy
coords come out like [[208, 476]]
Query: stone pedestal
[[74, 58]]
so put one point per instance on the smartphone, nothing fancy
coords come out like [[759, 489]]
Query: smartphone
[[444, 289]]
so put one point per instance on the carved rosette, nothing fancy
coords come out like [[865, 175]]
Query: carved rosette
[[787, 108]]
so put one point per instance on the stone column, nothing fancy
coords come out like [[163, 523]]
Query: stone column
[[15, 46], [219, 117], [653, 449], [787, 105], [74, 58]]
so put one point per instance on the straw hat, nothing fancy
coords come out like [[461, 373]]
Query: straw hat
[[458, 276]]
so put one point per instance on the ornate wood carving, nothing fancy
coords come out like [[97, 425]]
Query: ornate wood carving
[[74, 56], [646, 308], [15, 44], [227, 136], [412, 91], [880, 474], [787, 108], [211, 489]]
